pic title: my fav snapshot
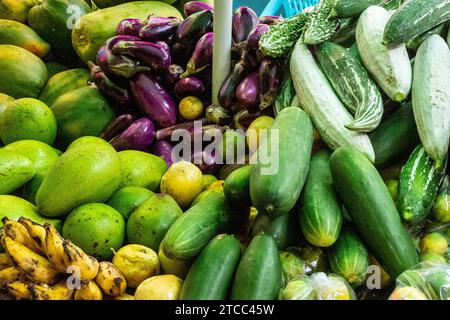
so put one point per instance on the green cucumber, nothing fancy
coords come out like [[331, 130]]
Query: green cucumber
[[258, 275], [283, 161], [237, 187], [321, 213], [192, 231], [372, 210], [419, 185], [352, 8], [345, 34], [414, 18], [211, 274], [390, 67], [395, 138], [352, 84], [415, 43], [431, 97], [349, 258], [321, 103]]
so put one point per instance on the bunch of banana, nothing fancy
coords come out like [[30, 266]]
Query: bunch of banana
[[111, 280]]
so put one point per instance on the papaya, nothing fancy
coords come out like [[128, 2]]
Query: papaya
[[54, 20], [18, 34], [62, 83], [23, 74], [16, 10], [89, 140], [15, 171], [82, 112], [84, 174], [96, 27], [5, 100]]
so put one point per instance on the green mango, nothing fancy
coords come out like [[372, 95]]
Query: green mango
[[149, 223], [82, 112], [140, 169], [15, 171], [127, 199], [84, 174], [54, 68], [5, 100], [89, 140]]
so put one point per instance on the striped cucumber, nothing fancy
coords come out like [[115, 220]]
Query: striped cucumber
[[419, 185], [277, 178], [351, 8], [415, 43], [286, 93], [431, 96], [345, 34], [414, 18], [318, 99], [390, 68], [353, 85], [320, 214], [349, 257], [211, 274], [372, 210]]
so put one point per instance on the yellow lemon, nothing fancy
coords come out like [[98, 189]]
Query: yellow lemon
[[434, 242], [257, 131], [191, 108], [165, 287]]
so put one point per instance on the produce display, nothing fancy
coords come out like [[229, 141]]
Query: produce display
[[318, 172]]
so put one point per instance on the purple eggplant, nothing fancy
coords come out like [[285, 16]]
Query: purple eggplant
[[227, 93], [172, 76], [206, 162], [244, 20], [130, 27], [148, 53], [188, 34], [255, 35], [154, 101], [138, 136], [237, 107], [117, 126], [190, 86], [117, 95], [202, 56], [249, 90], [194, 7], [218, 115], [244, 118], [270, 20], [159, 28], [163, 149], [270, 76], [117, 65], [166, 133], [164, 45]]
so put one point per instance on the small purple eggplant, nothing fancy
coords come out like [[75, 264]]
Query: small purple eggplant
[[270, 20], [117, 65], [163, 149], [270, 76], [194, 7], [129, 27], [148, 53], [249, 90], [154, 101], [116, 94], [117, 126], [159, 28], [202, 56], [218, 115], [190, 86], [164, 46], [244, 20], [227, 93], [138, 136], [166, 133], [255, 35], [171, 76], [206, 162]]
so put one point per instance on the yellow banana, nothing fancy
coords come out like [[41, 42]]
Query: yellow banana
[[54, 248], [110, 279], [35, 267], [18, 289], [83, 264], [19, 233], [5, 261], [36, 232], [59, 291], [89, 291], [10, 274]]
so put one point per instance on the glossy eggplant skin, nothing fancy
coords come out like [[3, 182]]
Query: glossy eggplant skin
[[255, 35], [138, 136], [159, 29], [227, 93], [194, 7], [248, 91], [244, 118], [172, 76], [208, 163], [163, 149], [117, 126], [129, 27], [153, 100], [150, 54], [166, 133], [190, 86], [244, 20], [270, 77], [202, 56]]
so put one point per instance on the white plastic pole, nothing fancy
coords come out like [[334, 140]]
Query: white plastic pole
[[223, 13]]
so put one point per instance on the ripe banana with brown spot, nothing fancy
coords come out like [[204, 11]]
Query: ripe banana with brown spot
[[19, 233], [77, 258], [10, 274], [35, 267], [36, 232], [59, 291], [18, 289], [54, 248], [5, 261], [88, 291], [110, 279]]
